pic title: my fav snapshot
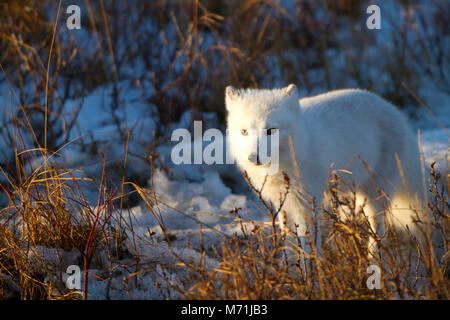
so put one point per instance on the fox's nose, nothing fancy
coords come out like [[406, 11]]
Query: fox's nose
[[254, 158]]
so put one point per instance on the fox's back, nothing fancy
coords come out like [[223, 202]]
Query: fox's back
[[353, 114], [353, 122], [347, 103]]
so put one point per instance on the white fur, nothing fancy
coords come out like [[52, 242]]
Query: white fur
[[329, 129]]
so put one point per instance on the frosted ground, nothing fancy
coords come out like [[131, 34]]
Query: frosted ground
[[189, 196]]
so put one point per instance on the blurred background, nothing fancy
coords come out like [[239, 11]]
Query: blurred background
[[105, 98], [137, 69]]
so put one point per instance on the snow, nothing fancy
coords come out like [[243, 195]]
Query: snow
[[436, 148], [187, 200], [187, 196]]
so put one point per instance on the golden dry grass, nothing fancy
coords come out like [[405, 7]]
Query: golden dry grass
[[259, 264], [46, 206]]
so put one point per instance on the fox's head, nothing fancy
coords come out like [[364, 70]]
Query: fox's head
[[259, 122]]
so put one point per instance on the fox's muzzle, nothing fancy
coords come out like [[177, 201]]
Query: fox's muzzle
[[255, 159]]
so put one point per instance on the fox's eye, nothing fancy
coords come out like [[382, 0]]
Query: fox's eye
[[270, 131], [244, 132]]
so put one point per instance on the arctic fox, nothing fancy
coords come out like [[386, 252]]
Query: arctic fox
[[352, 130]]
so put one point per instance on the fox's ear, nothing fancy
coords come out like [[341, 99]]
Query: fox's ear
[[290, 90], [232, 93]]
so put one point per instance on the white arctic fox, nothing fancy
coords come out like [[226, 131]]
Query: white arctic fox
[[341, 129]]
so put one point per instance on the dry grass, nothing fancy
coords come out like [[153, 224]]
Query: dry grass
[[261, 263], [180, 55], [47, 209]]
